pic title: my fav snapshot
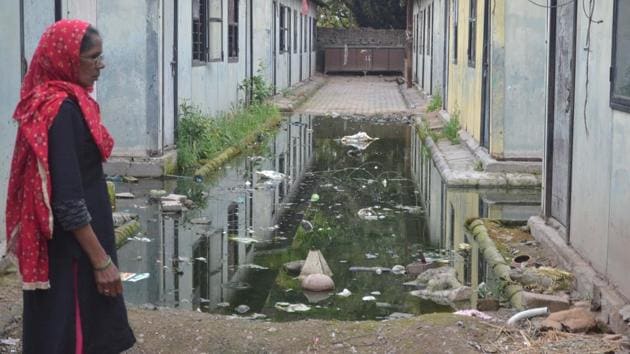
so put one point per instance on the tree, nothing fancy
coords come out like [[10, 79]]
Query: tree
[[379, 14]]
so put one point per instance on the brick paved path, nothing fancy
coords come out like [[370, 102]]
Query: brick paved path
[[369, 95]]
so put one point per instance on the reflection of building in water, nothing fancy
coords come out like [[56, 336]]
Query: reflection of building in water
[[448, 208], [206, 262]]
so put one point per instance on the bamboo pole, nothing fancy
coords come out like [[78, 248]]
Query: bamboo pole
[[124, 232], [511, 289]]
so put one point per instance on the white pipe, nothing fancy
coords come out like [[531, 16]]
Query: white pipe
[[539, 311]]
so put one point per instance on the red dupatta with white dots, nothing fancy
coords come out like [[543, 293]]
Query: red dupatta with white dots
[[51, 78]]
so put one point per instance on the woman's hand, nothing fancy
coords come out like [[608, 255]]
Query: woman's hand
[[108, 281]]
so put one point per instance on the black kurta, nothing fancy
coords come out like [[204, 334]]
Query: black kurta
[[79, 195]]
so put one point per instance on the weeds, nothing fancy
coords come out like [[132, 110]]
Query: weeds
[[435, 104], [451, 128], [200, 137], [256, 87]]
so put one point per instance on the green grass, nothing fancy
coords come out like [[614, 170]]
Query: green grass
[[435, 104], [451, 128], [201, 137]]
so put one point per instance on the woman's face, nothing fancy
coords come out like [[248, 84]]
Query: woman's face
[[91, 62]]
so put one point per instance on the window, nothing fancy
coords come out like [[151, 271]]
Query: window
[[295, 37], [233, 30], [472, 33], [620, 70], [455, 26], [283, 29], [200, 30], [215, 26]]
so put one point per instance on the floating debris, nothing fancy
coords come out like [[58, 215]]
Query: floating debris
[[236, 285], [245, 240], [375, 293], [130, 179], [369, 269], [157, 193], [368, 214], [223, 304], [359, 141], [344, 293], [411, 209], [125, 195], [133, 277], [306, 225], [315, 197], [140, 239], [398, 269], [371, 255], [241, 309], [201, 259], [287, 307], [369, 298], [272, 175], [253, 266]]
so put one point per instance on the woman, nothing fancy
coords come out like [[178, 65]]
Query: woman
[[59, 221]]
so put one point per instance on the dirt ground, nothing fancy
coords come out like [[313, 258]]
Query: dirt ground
[[173, 331]]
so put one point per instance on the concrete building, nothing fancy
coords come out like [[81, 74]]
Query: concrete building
[[160, 54], [430, 50], [496, 73], [587, 158]]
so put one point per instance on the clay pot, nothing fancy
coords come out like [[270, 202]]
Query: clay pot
[[318, 282], [522, 260]]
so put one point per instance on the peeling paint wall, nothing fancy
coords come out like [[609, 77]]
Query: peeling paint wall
[[517, 79], [601, 157], [464, 83], [9, 95]]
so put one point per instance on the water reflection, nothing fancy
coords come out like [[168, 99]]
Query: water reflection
[[230, 250]]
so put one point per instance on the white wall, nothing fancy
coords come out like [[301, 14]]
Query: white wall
[[601, 157], [9, 95]]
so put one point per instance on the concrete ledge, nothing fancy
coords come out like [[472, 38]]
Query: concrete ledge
[[299, 93], [455, 178], [492, 165], [142, 166], [589, 283]]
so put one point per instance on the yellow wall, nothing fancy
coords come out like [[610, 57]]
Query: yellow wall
[[464, 82]]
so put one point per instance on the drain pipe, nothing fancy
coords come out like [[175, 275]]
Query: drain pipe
[[539, 311]]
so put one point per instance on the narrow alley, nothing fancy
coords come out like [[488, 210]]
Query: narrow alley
[[291, 176]]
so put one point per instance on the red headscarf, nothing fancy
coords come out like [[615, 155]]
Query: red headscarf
[[52, 77]]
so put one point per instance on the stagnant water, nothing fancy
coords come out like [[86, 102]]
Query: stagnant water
[[227, 255]]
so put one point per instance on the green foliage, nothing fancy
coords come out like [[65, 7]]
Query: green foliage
[[451, 128], [256, 87], [200, 137], [335, 14], [435, 104]]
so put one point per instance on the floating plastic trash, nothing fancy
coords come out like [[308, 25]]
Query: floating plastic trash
[[314, 197], [287, 307], [241, 309], [344, 293], [201, 259], [272, 175], [253, 266], [371, 255], [375, 293], [398, 269], [133, 277], [245, 240], [369, 298], [306, 225], [367, 214]]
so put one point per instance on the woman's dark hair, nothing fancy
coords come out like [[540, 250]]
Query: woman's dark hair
[[88, 39]]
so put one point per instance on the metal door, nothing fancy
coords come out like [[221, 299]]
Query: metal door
[[561, 115]]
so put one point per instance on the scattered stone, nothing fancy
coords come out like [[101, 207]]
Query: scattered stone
[[318, 282], [575, 320], [294, 267], [171, 206], [488, 304], [442, 287], [553, 302], [543, 279], [417, 268], [120, 218]]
